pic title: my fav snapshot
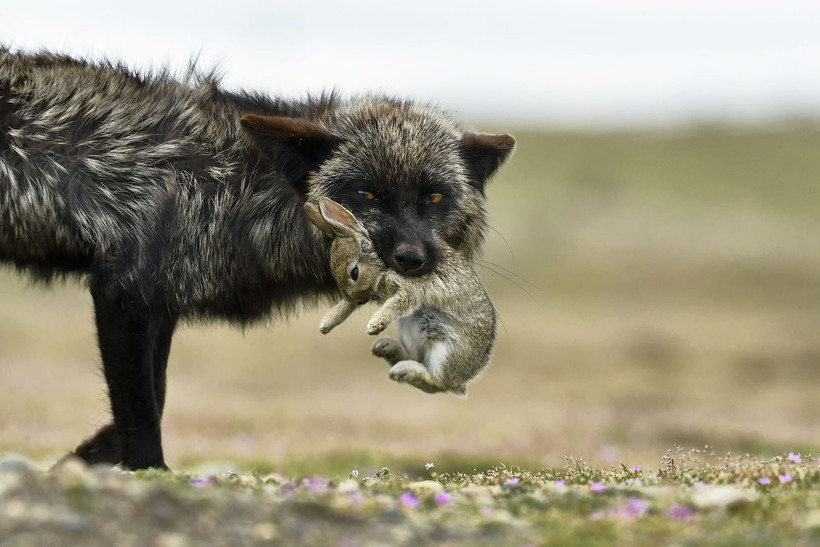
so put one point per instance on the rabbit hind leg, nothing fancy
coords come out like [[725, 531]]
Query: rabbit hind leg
[[390, 349], [414, 373]]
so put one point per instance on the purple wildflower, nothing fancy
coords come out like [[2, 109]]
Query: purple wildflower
[[764, 480], [786, 477], [795, 458], [597, 487], [409, 500], [680, 512], [560, 482], [444, 498], [513, 480], [287, 489], [701, 484], [635, 468], [632, 509], [203, 482], [316, 484], [636, 482], [355, 497]]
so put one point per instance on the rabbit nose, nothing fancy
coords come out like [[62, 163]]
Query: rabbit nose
[[362, 297], [408, 259]]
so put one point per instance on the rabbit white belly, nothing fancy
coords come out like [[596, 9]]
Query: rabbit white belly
[[422, 334]]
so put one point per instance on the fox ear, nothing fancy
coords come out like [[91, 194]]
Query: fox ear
[[341, 221], [295, 146], [484, 154]]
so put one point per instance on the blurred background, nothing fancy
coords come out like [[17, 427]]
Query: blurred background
[[654, 258]]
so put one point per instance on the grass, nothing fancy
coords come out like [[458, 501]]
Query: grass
[[692, 498], [655, 288]]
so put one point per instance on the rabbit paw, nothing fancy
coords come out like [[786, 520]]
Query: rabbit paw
[[406, 372], [375, 327], [389, 349]]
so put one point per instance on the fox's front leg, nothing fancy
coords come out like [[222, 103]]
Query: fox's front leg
[[336, 315], [398, 305]]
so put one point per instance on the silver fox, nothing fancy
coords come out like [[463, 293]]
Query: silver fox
[[445, 318]]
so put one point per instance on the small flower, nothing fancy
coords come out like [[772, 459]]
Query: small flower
[[795, 458], [597, 487], [764, 480], [560, 482], [354, 473], [786, 477], [635, 468], [513, 480], [680, 512], [636, 482], [409, 500], [355, 497], [203, 482], [429, 465], [316, 484], [637, 506], [701, 484], [444, 498]]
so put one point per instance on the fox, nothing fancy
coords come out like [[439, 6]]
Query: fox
[[447, 323], [176, 201]]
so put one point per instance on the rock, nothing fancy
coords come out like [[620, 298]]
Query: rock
[[13, 463], [724, 496]]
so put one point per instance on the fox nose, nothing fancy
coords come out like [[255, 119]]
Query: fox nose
[[408, 259]]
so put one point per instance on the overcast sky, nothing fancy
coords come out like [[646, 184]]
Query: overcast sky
[[508, 62]]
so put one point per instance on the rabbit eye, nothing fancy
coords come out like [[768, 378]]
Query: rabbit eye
[[434, 198], [354, 273], [366, 195]]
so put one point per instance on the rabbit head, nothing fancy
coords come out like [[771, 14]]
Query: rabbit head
[[351, 251]]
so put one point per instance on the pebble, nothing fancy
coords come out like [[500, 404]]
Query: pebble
[[722, 496]]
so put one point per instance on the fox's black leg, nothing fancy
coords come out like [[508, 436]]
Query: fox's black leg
[[162, 347], [134, 343]]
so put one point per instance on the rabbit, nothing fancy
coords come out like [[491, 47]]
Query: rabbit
[[446, 322]]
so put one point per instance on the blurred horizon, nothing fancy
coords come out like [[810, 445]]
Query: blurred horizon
[[555, 64]]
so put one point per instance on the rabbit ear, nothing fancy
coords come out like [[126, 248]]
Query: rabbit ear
[[316, 218], [341, 221]]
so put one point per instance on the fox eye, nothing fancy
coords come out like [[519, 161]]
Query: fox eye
[[354, 273], [366, 195], [434, 198]]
